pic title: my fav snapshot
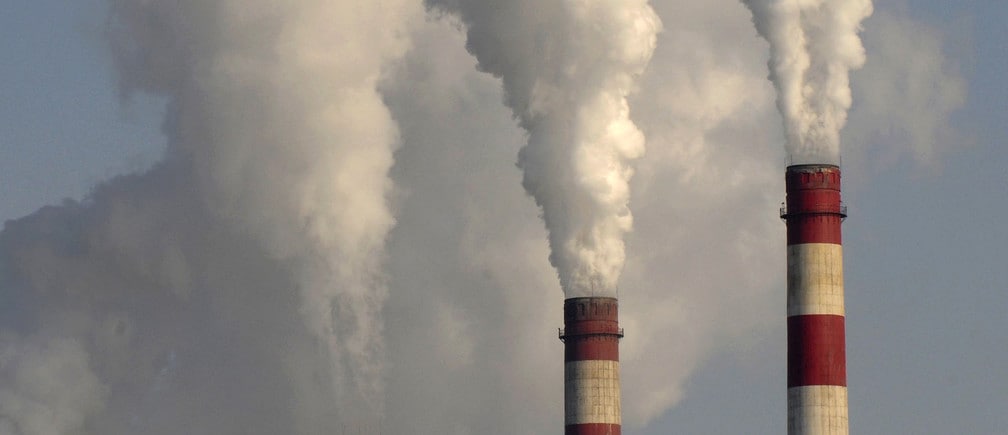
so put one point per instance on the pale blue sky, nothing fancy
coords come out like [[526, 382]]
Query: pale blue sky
[[61, 126], [926, 273]]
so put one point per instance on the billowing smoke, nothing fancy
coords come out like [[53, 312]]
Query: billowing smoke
[[814, 44], [276, 106], [567, 68]]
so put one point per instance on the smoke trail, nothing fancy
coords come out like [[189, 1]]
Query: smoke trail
[[814, 45], [567, 68], [275, 104]]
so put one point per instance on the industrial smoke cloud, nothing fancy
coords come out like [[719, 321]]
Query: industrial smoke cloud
[[277, 108], [814, 44], [567, 68], [252, 281]]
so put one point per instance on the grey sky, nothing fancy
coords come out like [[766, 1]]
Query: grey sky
[[702, 293]]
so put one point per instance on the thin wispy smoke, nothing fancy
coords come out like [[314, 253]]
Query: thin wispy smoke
[[906, 96], [814, 44], [567, 69]]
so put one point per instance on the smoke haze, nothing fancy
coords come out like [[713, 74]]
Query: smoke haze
[[337, 238]]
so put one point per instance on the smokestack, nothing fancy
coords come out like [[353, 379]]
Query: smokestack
[[591, 366], [817, 368]]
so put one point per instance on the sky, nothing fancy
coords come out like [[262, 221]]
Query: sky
[[181, 205]]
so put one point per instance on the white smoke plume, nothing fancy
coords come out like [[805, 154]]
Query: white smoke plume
[[276, 106], [567, 68], [814, 44]]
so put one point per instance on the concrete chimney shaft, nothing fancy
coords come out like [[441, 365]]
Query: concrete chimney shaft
[[591, 366], [817, 367]]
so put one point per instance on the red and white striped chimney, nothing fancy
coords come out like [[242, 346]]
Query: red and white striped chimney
[[591, 366], [817, 370]]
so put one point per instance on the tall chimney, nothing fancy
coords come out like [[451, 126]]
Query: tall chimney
[[591, 366], [817, 367]]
